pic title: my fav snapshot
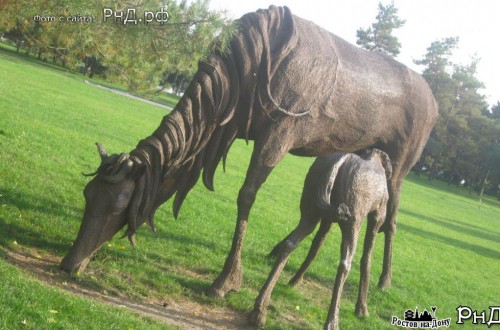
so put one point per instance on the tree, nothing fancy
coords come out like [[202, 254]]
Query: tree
[[494, 112], [178, 34], [463, 144], [466, 128], [437, 73], [138, 54], [176, 80], [16, 17], [469, 137], [437, 63], [379, 36], [92, 65], [491, 182], [42, 36]]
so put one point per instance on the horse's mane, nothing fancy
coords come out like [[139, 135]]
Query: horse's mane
[[264, 39], [217, 107]]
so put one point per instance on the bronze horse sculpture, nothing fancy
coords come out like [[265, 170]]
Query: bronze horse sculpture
[[289, 86]]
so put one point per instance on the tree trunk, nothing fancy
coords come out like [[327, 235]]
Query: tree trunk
[[474, 177], [483, 184], [434, 169]]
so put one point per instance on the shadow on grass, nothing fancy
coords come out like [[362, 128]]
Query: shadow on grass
[[463, 245], [443, 187], [186, 240], [459, 227], [23, 233], [36, 203], [194, 285], [27, 237]]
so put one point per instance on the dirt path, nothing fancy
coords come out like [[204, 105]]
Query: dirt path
[[184, 314]]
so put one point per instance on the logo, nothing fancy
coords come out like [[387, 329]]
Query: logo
[[467, 313], [424, 320]]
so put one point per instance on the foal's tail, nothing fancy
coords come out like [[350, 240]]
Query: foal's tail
[[326, 184]]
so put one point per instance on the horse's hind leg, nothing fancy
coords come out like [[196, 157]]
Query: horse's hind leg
[[404, 154], [375, 220]]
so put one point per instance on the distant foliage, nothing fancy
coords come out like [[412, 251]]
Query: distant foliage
[[123, 47], [464, 147]]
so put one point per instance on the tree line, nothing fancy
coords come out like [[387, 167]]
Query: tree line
[[141, 44], [464, 147]]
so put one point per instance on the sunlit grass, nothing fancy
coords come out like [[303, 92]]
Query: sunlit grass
[[26, 304]]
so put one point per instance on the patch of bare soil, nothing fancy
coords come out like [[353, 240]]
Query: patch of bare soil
[[184, 314]]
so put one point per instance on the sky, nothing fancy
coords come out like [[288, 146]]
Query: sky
[[473, 21]]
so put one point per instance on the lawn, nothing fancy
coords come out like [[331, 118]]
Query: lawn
[[446, 250]]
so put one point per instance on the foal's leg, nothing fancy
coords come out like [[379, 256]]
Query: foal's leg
[[304, 228], [350, 232], [375, 220], [319, 238], [278, 248]]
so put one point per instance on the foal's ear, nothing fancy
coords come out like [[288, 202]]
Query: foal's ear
[[386, 163]]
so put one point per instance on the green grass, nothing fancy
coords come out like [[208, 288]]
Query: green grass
[[446, 250]]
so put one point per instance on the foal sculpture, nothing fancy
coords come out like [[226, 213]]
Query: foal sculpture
[[291, 87], [341, 188]]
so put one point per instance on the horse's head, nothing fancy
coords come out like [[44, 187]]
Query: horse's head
[[111, 200]]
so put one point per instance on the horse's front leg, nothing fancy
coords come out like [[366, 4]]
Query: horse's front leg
[[258, 171]]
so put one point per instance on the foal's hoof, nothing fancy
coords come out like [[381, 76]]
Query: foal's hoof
[[276, 251], [295, 280], [257, 318]]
